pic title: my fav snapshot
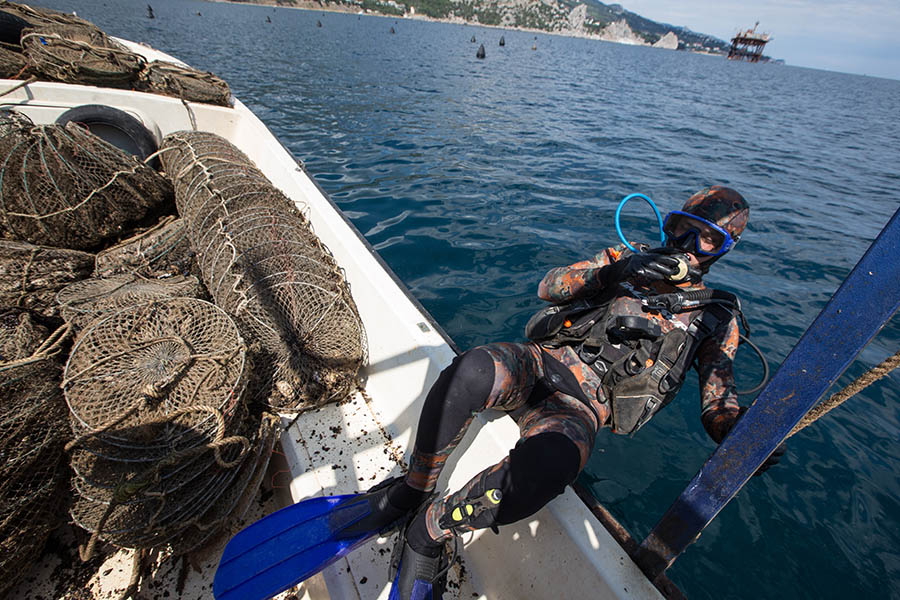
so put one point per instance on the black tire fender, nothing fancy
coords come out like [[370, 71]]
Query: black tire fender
[[11, 28], [116, 127]]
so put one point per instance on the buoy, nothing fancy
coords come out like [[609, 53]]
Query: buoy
[[473, 39], [480, 53], [502, 41]]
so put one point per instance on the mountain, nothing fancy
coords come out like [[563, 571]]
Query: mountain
[[584, 18], [605, 14]]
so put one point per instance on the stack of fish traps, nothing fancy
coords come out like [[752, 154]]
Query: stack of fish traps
[[78, 53], [163, 411], [179, 81], [164, 450], [32, 436], [59, 47], [262, 263]]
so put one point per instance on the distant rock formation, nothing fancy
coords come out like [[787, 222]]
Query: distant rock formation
[[577, 18], [620, 32], [668, 41]]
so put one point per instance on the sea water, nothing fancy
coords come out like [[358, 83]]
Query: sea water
[[474, 177]]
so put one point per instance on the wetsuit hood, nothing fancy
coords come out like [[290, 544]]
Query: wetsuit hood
[[722, 206]]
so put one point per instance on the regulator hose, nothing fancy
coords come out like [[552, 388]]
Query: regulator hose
[[762, 358]]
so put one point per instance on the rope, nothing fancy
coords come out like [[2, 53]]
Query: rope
[[862, 382], [138, 566], [51, 347], [31, 79], [86, 553], [26, 272]]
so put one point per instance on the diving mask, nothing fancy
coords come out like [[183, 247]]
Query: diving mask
[[696, 235]]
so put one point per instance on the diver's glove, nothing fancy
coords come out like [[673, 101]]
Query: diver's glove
[[776, 455], [651, 266]]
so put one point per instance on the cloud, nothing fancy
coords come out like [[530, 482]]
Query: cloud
[[830, 34]]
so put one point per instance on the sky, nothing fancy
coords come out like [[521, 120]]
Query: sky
[[861, 37]]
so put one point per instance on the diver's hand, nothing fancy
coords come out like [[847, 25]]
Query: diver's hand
[[776, 455], [646, 265]]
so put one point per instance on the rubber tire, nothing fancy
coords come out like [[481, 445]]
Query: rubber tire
[[114, 126], [11, 27]]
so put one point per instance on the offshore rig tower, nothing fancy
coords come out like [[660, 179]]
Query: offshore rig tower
[[748, 45]]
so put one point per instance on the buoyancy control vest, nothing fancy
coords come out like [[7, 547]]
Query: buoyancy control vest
[[641, 368]]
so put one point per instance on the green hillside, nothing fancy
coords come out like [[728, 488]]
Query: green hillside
[[545, 15]]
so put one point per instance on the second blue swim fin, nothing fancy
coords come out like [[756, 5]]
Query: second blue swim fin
[[290, 545]]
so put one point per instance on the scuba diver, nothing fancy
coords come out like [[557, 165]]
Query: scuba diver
[[610, 350]]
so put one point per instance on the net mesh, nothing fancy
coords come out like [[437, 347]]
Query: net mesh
[[263, 264], [229, 508], [164, 248], [32, 434], [153, 394], [30, 276], [13, 122], [86, 301], [170, 79], [65, 187], [145, 374], [12, 64], [183, 514], [80, 54]]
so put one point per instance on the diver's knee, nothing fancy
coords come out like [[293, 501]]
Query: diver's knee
[[472, 379], [540, 468], [550, 459]]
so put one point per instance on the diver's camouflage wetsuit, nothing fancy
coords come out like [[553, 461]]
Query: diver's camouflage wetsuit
[[557, 429]]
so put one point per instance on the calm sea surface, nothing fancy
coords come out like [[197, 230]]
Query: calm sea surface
[[473, 177]]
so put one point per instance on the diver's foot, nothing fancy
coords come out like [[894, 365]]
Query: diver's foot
[[419, 576], [389, 505]]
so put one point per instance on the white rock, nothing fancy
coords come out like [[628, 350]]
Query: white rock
[[620, 32], [668, 41], [577, 17]]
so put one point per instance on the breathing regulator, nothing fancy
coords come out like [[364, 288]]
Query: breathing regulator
[[685, 271]]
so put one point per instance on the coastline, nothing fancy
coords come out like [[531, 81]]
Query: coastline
[[315, 5]]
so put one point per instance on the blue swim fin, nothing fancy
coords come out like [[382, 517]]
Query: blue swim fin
[[290, 545]]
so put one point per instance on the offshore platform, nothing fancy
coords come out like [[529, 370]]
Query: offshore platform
[[748, 45]]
